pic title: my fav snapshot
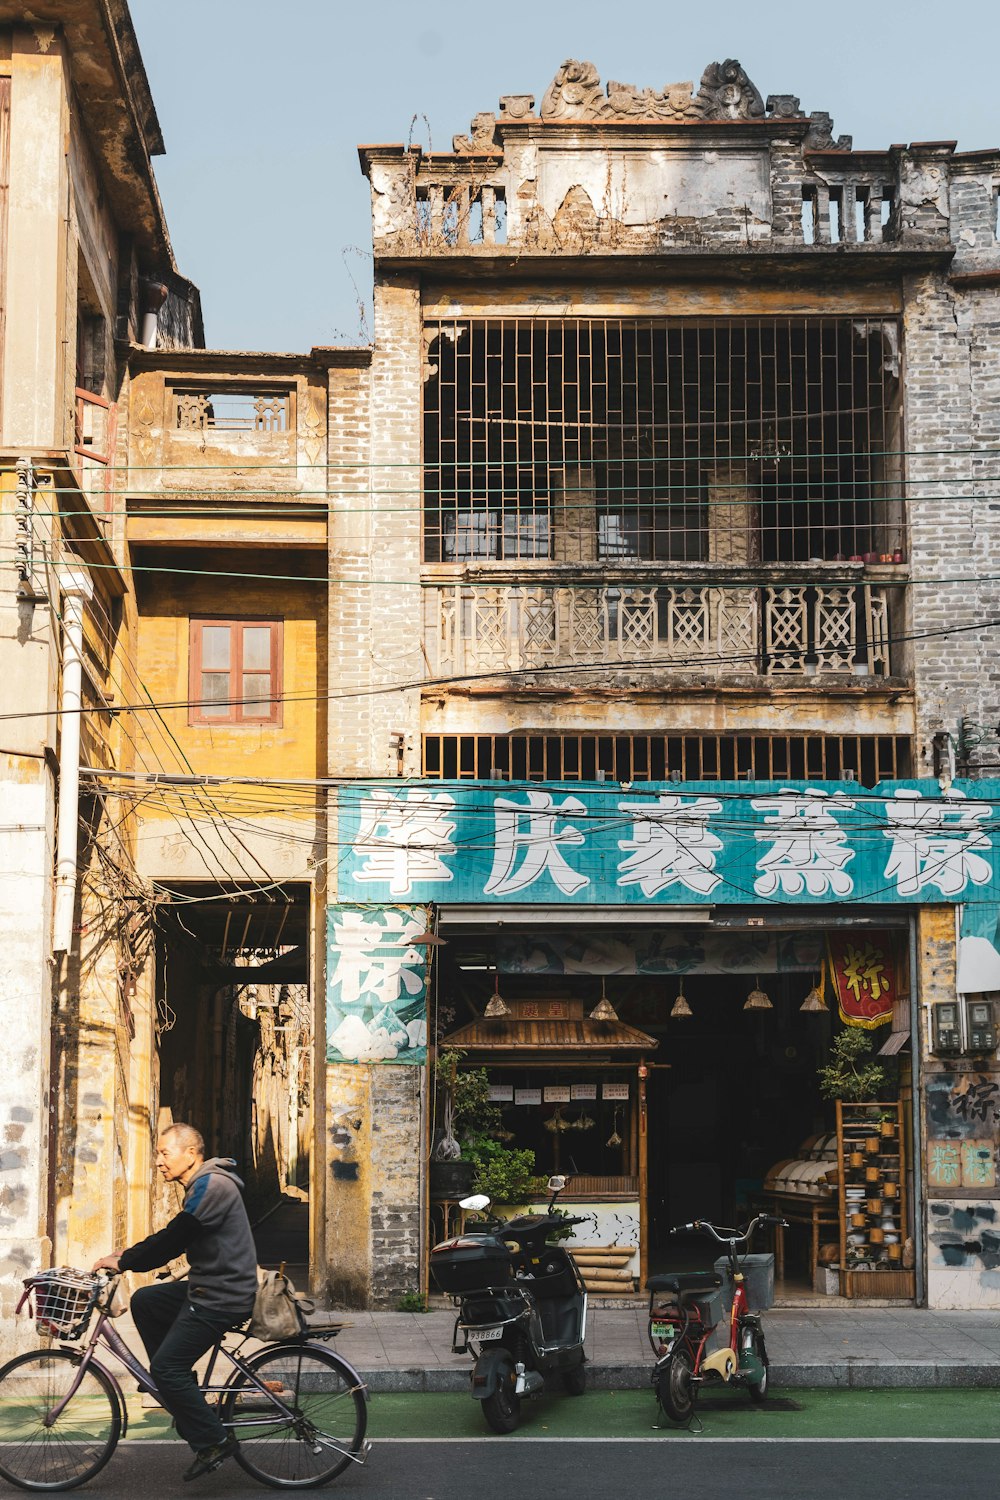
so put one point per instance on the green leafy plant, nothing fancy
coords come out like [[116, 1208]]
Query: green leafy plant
[[851, 1073], [466, 1108], [503, 1174], [414, 1302]]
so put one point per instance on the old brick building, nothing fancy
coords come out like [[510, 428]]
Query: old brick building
[[681, 432]]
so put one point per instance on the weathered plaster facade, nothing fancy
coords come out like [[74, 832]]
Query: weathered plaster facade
[[81, 236]]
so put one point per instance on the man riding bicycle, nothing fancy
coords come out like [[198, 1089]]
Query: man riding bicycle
[[179, 1321]]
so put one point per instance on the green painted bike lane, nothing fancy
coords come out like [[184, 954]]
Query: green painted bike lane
[[938, 1414]]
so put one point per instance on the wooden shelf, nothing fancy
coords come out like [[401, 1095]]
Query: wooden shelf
[[863, 1147]]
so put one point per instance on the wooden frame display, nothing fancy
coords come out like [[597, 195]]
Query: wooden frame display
[[871, 1155]]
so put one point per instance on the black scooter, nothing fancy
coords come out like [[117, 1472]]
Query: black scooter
[[522, 1306]]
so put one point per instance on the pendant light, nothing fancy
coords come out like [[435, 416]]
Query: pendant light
[[680, 1006], [814, 1000], [603, 1010], [757, 1000], [497, 1007]]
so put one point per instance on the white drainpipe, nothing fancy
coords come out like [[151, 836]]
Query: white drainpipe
[[76, 591]]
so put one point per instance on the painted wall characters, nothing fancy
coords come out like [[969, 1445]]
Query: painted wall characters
[[376, 984]]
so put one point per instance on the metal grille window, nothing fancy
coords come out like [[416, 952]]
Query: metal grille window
[[728, 441], [865, 758]]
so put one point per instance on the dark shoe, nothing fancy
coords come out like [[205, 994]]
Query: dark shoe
[[206, 1460]]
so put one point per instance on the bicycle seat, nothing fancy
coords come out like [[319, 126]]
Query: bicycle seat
[[684, 1281]]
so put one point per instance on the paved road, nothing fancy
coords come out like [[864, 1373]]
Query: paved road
[[577, 1469]]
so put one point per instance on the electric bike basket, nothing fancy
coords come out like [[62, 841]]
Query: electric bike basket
[[470, 1263], [62, 1300]]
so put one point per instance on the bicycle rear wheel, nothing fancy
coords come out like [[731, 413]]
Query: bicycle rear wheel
[[324, 1430], [80, 1441]]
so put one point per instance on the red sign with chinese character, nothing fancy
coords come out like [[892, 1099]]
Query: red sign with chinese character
[[863, 970]]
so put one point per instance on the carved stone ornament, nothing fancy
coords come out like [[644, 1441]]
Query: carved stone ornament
[[784, 106], [516, 106], [482, 133], [820, 136], [725, 93]]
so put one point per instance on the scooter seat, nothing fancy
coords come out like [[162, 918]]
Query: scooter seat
[[684, 1281]]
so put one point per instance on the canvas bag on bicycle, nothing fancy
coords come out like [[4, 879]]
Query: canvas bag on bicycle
[[278, 1309]]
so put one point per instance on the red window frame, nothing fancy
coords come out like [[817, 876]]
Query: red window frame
[[236, 711]]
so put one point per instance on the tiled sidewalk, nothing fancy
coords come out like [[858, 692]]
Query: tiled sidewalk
[[808, 1347]]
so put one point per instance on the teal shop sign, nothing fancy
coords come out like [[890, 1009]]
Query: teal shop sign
[[711, 843]]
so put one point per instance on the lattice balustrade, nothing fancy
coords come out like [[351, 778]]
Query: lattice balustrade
[[786, 629], [800, 629], [835, 629]]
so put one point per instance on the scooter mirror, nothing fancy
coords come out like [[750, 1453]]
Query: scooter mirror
[[556, 1184], [476, 1204]]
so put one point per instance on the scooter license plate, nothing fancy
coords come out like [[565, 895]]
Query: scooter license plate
[[665, 1332], [482, 1335]]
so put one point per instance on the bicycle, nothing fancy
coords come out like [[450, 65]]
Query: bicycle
[[298, 1410], [678, 1330]]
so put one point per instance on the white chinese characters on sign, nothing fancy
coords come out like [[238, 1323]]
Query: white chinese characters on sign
[[527, 844], [936, 843], [376, 986], [403, 836], [671, 844], [809, 849]]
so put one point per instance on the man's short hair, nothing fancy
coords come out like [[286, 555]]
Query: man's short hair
[[187, 1135]]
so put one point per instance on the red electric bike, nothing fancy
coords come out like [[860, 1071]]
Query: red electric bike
[[684, 1310]]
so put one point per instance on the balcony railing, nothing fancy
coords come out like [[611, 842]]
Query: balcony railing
[[823, 630]]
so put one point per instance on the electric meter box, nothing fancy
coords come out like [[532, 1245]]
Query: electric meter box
[[981, 1025], [947, 1027]]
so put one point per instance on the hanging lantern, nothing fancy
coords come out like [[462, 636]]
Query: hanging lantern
[[814, 1000], [603, 1010], [497, 1007], [680, 1006], [757, 1000]]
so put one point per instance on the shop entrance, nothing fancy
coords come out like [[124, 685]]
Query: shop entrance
[[697, 1093], [740, 1096], [235, 1048]]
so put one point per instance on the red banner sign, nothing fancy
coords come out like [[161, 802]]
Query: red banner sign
[[863, 970]]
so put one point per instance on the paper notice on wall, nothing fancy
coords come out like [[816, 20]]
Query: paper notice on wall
[[557, 1093], [527, 1096], [583, 1091], [614, 1090], [501, 1093]]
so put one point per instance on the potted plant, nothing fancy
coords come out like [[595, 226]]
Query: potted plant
[[851, 1073], [471, 1133]]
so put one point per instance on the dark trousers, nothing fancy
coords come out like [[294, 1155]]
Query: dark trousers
[[176, 1336]]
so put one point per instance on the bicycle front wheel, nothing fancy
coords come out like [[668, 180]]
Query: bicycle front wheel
[[309, 1423], [78, 1444]]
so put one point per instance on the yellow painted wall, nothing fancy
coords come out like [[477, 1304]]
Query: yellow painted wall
[[167, 601]]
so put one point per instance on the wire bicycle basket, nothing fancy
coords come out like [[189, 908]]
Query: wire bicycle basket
[[60, 1300]]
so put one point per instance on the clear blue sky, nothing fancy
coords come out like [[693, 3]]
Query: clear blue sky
[[262, 106]]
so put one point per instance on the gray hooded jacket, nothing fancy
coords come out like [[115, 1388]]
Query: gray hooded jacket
[[213, 1230]]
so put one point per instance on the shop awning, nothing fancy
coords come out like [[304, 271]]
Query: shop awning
[[579, 1035]]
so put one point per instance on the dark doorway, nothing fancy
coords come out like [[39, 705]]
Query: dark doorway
[[235, 1047]]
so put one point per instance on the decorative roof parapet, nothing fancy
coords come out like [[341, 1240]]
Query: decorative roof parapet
[[725, 93]]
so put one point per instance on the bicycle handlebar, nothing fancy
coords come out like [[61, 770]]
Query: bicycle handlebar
[[731, 1236]]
